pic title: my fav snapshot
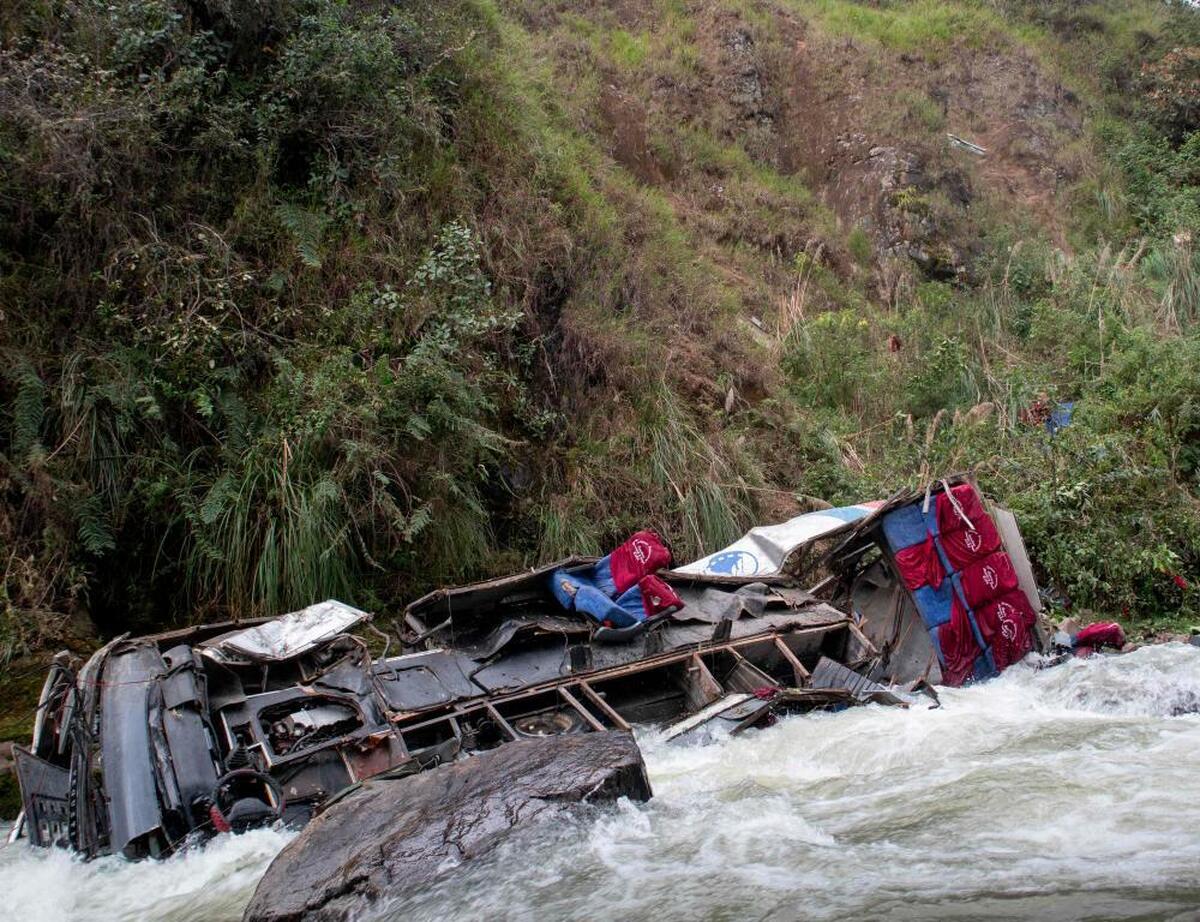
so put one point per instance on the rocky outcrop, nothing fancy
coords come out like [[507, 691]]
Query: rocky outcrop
[[392, 835]]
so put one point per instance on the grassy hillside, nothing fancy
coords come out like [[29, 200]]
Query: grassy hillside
[[305, 298]]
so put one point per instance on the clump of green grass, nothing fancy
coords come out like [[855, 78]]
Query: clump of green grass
[[858, 242], [628, 50], [921, 110], [929, 27]]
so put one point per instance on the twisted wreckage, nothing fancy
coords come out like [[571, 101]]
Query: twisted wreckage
[[156, 742]]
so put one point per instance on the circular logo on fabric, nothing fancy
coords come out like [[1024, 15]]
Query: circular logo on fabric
[[972, 540], [990, 577], [733, 563], [1007, 616], [641, 550]]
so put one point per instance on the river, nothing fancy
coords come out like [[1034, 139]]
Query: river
[[1070, 793]]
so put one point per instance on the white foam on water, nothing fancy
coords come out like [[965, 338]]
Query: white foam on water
[[1069, 793], [207, 884]]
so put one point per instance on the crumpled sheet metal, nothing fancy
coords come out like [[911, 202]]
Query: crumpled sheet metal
[[715, 604], [762, 551], [288, 636]]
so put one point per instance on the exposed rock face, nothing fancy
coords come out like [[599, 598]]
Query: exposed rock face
[[392, 835]]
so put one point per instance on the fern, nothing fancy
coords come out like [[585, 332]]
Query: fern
[[29, 403], [95, 531], [307, 229], [216, 500]]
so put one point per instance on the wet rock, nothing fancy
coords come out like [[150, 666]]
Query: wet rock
[[392, 835]]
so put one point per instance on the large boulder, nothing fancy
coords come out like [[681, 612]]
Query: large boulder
[[393, 834]]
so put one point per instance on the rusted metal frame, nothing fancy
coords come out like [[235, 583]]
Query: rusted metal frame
[[747, 675], [498, 718], [644, 665], [449, 717], [590, 693], [861, 527], [378, 739], [705, 647], [274, 761], [707, 682], [587, 715], [863, 639], [802, 675]]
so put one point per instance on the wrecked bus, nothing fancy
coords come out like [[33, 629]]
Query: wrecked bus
[[158, 742]]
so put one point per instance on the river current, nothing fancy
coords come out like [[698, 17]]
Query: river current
[[1070, 793]]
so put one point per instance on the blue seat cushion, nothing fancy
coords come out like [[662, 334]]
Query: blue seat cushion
[[905, 527], [935, 605]]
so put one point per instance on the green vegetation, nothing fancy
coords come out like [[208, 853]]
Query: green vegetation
[[930, 27], [304, 298]]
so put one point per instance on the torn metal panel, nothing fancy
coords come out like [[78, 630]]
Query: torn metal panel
[[831, 675], [422, 680], [288, 636], [714, 604], [763, 551], [525, 627], [1010, 537], [46, 792], [716, 709], [480, 602], [134, 811]]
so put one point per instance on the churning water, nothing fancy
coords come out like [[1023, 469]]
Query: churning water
[[1067, 794]]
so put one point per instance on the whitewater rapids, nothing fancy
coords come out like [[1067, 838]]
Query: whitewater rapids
[[1071, 793]]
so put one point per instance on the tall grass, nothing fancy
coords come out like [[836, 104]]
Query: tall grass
[[713, 503], [271, 534]]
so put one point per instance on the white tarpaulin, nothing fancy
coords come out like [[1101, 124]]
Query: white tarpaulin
[[762, 550], [289, 635]]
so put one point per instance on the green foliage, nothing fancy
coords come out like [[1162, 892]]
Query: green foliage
[[1107, 505], [928, 26], [832, 362], [1163, 183], [257, 409], [307, 229], [711, 493], [859, 244], [298, 499], [922, 110], [944, 380], [1173, 90], [306, 298], [628, 50], [28, 408]]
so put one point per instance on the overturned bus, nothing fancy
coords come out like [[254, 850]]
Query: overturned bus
[[160, 741]]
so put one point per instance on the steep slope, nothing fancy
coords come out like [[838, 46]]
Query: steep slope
[[304, 298]]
